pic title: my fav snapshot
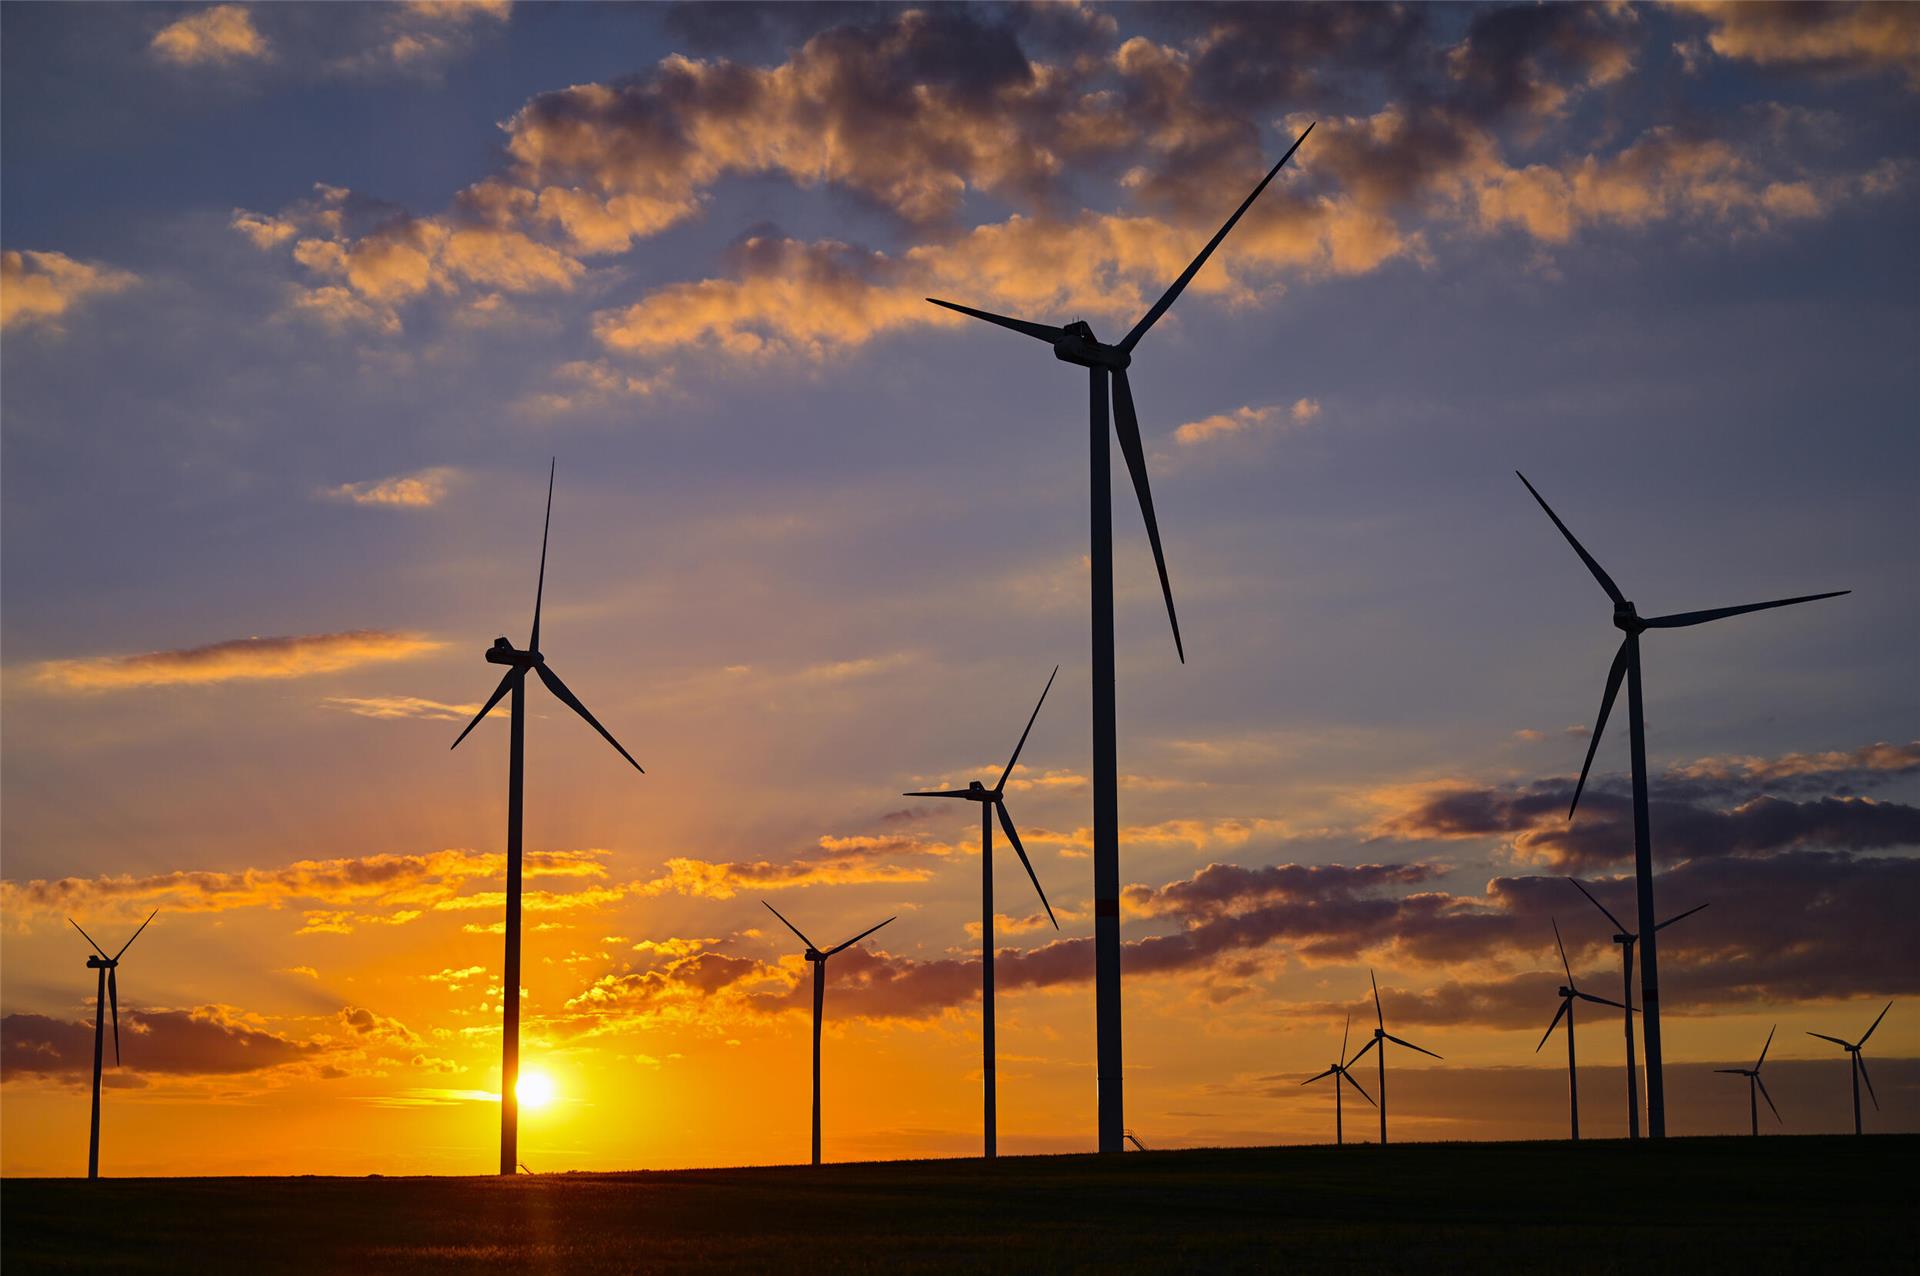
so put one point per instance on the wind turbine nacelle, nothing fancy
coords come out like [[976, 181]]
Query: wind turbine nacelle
[[101, 963], [504, 653], [1079, 347], [1627, 620], [814, 954]]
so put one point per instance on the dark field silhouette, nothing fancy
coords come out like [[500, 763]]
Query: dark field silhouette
[[1692, 1205]]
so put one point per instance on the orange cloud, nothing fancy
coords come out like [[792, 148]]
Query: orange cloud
[[299, 656], [839, 861], [393, 881], [403, 707], [1836, 37], [41, 287], [421, 489], [1246, 418], [221, 33]]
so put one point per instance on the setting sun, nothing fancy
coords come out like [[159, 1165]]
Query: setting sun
[[534, 1090]]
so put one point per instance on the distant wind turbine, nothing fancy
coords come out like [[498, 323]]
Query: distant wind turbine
[[1380, 1038], [819, 960], [515, 681], [1755, 1083], [1568, 995], [106, 996], [991, 804], [1626, 664], [1626, 939], [1107, 367], [1338, 1071], [1859, 1066]]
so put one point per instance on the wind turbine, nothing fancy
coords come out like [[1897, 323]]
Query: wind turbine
[[1626, 939], [515, 681], [1626, 663], [1380, 1038], [106, 996], [1568, 995], [1338, 1071], [1859, 1066], [819, 960], [1107, 367], [991, 804], [1754, 1082]]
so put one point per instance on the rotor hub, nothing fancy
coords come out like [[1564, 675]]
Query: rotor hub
[[1627, 620]]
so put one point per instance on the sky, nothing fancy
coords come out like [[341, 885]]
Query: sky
[[299, 302]]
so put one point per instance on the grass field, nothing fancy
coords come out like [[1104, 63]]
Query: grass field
[[1694, 1205]]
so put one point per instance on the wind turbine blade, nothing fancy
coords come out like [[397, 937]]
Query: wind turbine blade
[[506, 685], [1179, 285], [1680, 620], [1876, 1023], [1769, 1098], [1763, 1049], [113, 1000], [1310, 1080], [1558, 1015], [1356, 1085], [1598, 1001], [88, 938], [1738, 1072], [1400, 1041], [1602, 907], [857, 938], [1844, 1045], [1599, 572], [1006, 822], [1563, 951], [1614, 675], [953, 793], [1361, 1053], [1677, 916], [533, 643], [156, 912], [1039, 331], [1023, 735], [1861, 1063], [1378, 1014], [572, 702], [1127, 426], [1344, 1033], [789, 925]]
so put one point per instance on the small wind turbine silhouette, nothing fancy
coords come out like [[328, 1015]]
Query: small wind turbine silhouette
[[991, 804], [1338, 1071], [1380, 1038], [1859, 1068], [515, 681], [1626, 939], [1626, 664], [1755, 1083], [819, 960], [106, 996], [1568, 995], [1107, 369]]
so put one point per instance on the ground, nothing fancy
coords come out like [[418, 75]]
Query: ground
[[1688, 1205]]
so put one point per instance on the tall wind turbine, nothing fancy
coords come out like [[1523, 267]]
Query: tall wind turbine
[[1755, 1083], [1568, 995], [1626, 939], [514, 681], [1626, 663], [1859, 1066], [991, 804], [1338, 1071], [1107, 368], [107, 996], [1380, 1038], [819, 960]]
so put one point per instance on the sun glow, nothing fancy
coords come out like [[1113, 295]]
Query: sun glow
[[534, 1090]]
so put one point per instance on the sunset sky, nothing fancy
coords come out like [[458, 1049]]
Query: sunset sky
[[299, 300]]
